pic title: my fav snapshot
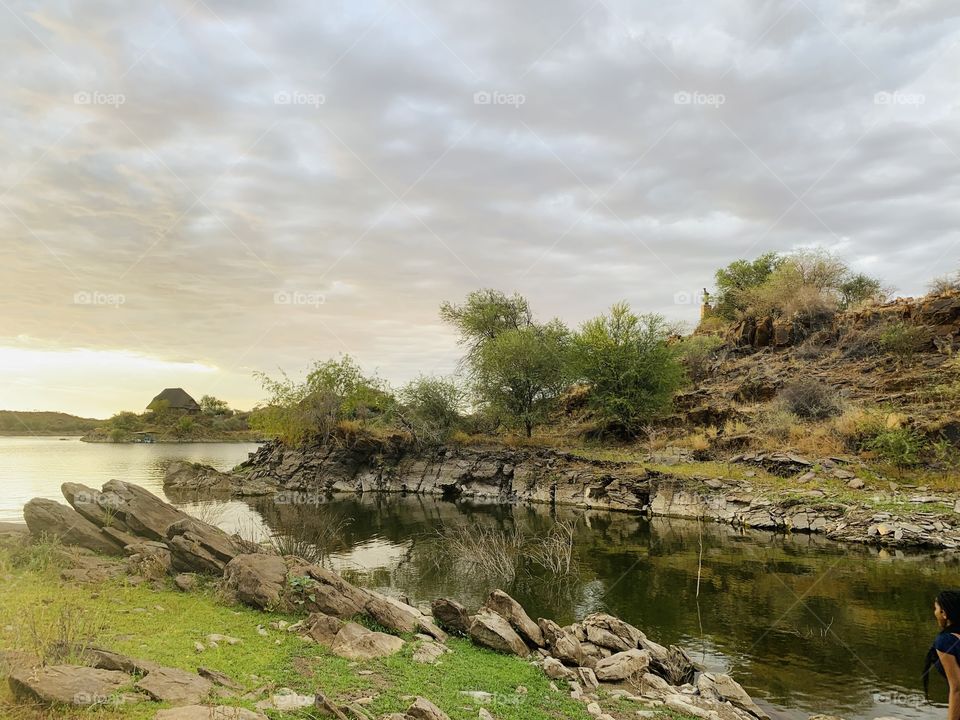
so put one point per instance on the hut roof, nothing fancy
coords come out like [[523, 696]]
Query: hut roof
[[176, 399]]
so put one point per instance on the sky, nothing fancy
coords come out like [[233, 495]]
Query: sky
[[195, 190]]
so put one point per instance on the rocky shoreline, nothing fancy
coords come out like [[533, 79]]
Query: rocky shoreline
[[549, 476], [597, 660]]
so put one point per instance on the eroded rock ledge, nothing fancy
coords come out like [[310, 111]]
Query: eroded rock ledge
[[549, 476]]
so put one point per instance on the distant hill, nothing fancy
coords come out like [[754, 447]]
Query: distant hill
[[17, 422]]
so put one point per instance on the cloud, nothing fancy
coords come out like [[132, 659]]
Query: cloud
[[199, 158]]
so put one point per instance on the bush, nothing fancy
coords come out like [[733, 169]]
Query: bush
[[858, 343], [810, 399], [632, 371], [737, 280], [698, 353], [904, 340], [901, 446], [431, 408], [945, 284], [333, 391]]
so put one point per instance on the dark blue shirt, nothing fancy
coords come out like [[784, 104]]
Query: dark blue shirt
[[948, 644]]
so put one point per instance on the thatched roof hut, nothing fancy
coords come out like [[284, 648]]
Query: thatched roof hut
[[175, 399]]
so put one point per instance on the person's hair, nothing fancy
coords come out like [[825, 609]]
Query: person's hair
[[949, 602]]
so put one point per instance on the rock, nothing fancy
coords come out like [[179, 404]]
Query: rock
[[611, 632], [555, 670], [355, 642], [452, 616], [841, 474], [67, 684], [623, 665], [563, 645], [323, 628], [724, 687], [327, 708], [258, 579], [429, 652], [108, 660], [286, 700], [183, 475], [53, 519], [141, 511], [423, 709], [653, 686], [185, 582], [324, 591], [513, 612], [492, 631], [175, 686], [96, 506], [219, 678], [856, 484], [673, 664], [587, 678], [200, 547], [207, 712]]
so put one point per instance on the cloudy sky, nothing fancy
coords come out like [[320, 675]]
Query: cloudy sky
[[191, 190]]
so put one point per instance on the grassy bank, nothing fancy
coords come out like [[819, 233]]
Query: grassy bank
[[39, 613]]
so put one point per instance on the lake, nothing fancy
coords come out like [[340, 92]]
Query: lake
[[806, 625]]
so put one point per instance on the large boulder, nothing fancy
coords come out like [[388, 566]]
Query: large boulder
[[423, 709], [96, 506], [357, 643], [197, 546], [67, 684], [611, 632], [322, 590], [257, 579], [175, 686], [451, 615], [400, 617], [492, 631], [184, 475], [141, 511], [562, 644], [53, 519], [623, 666], [724, 687], [513, 612]]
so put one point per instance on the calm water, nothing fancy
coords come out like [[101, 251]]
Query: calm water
[[807, 626]]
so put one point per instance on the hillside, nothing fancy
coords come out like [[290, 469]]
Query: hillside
[[18, 422]]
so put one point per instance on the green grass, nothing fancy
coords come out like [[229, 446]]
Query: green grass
[[162, 625]]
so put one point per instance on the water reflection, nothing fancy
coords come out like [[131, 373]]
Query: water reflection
[[808, 625]]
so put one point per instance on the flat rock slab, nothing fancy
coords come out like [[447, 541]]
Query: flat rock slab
[[175, 686], [355, 642], [207, 712], [68, 684]]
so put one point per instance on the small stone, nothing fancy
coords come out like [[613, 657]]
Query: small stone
[[841, 474], [198, 646], [856, 484], [594, 709]]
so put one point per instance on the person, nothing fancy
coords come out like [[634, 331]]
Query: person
[[944, 654]]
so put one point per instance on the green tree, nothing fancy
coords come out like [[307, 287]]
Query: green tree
[[632, 370], [698, 353], [859, 288], [184, 426], [519, 372], [484, 315], [209, 405], [736, 281], [332, 392], [431, 408]]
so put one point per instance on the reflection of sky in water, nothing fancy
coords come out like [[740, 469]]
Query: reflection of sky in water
[[374, 554]]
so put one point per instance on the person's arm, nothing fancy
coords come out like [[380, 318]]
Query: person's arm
[[952, 670]]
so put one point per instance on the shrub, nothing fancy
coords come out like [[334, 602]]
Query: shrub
[[945, 284], [698, 353], [904, 340], [632, 371], [737, 280], [901, 446], [431, 408], [858, 343], [810, 399], [778, 423]]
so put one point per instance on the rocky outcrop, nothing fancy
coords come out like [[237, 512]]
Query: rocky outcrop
[[47, 518], [66, 684]]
